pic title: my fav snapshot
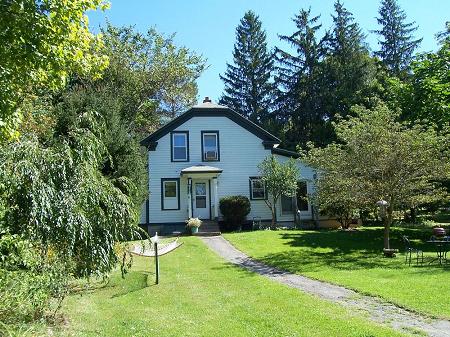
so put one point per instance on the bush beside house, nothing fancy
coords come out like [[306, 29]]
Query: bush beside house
[[234, 209]]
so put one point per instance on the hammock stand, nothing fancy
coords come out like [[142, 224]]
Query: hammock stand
[[150, 251]]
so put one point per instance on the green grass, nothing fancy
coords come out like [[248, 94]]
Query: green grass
[[201, 295], [354, 259]]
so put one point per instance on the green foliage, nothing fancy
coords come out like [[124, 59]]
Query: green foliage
[[299, 77], [349, 71], [149, 75], [56, 196], [323, 78], [335, 196], [234, 209], [279, 179], [248, 86], [427, 96], [42, 42], [378, 158], [28, 280], [397, 44]]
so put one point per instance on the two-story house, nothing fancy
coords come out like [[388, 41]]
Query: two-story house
[[207, 153]]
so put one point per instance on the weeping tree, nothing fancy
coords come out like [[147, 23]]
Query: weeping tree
[[377, 158], [279, 179], [56, 196]]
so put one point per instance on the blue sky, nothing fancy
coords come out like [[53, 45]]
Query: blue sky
[[208, 26]]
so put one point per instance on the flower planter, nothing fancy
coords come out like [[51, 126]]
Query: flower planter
[[194, 230], [439, 232]]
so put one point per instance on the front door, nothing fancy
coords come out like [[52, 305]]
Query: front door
[[201, 199]]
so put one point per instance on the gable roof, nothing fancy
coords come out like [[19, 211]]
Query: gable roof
[[209, 109]]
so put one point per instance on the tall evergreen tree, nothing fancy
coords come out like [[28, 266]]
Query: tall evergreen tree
[[298, 104], [397, 43], [349, 71], [248, 85]]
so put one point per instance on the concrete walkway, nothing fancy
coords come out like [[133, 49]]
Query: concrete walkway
[[378, 310]]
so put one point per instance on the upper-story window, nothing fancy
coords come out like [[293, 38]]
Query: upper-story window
[[179, 145], [210, 146]]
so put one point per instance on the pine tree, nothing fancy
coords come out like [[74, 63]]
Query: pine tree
[[298, 105], [397, 43], [349, 71], [248, 86]]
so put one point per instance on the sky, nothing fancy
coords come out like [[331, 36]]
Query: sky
[[207, 27]]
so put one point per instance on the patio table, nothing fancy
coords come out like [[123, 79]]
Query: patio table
[[441, 249]]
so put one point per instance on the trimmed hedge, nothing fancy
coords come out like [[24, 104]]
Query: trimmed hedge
[[234, 209]]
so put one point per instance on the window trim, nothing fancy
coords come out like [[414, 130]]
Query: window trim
[[177, 180], [308, 205], [186, 133], [283, 212], [250, 179], [296, 196], [206, 132]]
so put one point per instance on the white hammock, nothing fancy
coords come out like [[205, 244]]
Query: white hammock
[[149, 251]]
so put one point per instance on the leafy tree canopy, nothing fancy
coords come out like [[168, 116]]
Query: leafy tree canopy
[[43, 42], [379, 158], [279, 179]]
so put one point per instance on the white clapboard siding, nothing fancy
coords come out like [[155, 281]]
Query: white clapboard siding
[[240, 153]]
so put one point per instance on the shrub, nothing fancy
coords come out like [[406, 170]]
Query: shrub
[[30, 282], [234, 210]]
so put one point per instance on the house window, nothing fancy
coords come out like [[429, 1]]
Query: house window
[[210, 146], [302, 193], [288, 203], [170, 194], [257, 189], [180, 145]]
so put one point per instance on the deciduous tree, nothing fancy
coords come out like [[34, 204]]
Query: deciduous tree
[[279, 179], [377, 157], [42, 43]]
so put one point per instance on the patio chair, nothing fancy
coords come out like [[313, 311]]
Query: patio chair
[[409, 251]]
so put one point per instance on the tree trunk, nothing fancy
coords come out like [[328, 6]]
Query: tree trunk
[[413, 214], [273, 218]]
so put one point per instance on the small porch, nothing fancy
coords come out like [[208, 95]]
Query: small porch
[[202, 191]]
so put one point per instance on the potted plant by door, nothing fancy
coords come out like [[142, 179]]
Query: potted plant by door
[[193, 224]]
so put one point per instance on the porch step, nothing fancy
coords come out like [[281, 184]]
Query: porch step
[[208, 227]]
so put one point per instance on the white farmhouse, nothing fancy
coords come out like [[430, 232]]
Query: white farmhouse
[[207, 153]]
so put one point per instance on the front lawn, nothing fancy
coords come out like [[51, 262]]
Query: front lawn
[[354, 259], [201, 295]]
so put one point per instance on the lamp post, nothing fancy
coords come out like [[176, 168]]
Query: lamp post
[[154, 240], [383, 204]]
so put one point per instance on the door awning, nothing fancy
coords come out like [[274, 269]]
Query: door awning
[[198, 169]]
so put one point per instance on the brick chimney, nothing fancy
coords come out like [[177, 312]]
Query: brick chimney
[[207, 100]]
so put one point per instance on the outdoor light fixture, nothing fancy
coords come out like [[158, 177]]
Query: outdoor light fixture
[[383, 204], [154, 240]]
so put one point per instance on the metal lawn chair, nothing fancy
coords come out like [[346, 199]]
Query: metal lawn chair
[[410, 250]]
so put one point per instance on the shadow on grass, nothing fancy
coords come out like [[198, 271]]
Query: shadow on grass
[[134, 281], [349, 250]]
